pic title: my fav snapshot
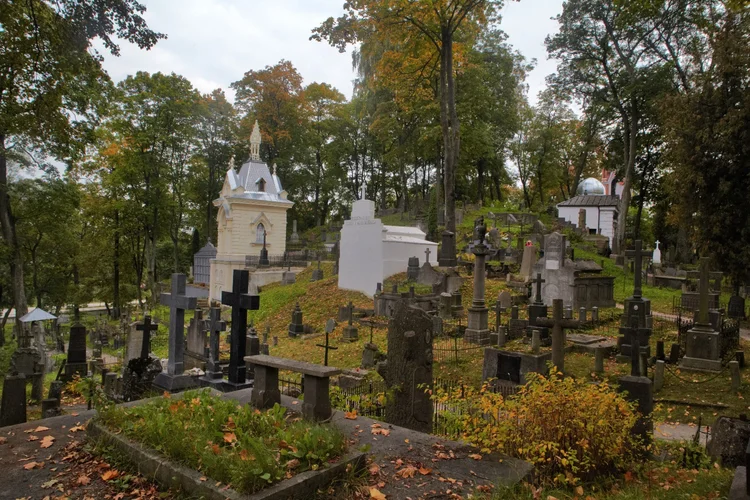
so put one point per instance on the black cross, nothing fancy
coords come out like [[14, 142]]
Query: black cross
[[350, 307], [177, 302], [146, 327], [215, 325], [427, 254], [241, 302], [327, 346], [538, 281], [638, 254]]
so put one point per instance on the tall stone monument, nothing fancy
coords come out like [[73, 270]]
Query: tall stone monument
[[477, 330], [637, 306], [703, 348], [76, 363]]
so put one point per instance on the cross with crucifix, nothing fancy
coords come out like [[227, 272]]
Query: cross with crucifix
[[330, 325], [241, 302], [538, 281], [215, 325], [558, 326], [638, 253], [178, 302], [146, 327]]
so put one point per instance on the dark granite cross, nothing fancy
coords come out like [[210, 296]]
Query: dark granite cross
[[558, 326], [146, 327], [427, 253], [240, 302], [330, 325], [538, 281], [215, 325], [177, 302], [638, 253], [703, 292]]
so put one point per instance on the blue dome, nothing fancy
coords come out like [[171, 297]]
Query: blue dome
[[590, 186]]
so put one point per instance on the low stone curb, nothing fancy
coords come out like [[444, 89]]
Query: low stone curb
[[154, 466]]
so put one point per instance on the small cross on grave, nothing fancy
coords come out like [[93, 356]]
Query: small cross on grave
[[638, 254], [350, 332], [240, 302], [330, 325], [215, 325], [146, 327], [178, 302], [538, 281], [558, 326], [427, 253]]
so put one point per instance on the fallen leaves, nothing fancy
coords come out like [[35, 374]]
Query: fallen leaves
[[375, 494], [77, 428], [230, 437], [33, 465], [47, 441], [377, 429], [110, 475], [83, 480], [41, 428], [475, 456], [407, 471], [3, 440], [351, 415]]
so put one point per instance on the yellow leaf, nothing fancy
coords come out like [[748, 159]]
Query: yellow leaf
[[424, 471], [110, 474], [47, 441], [33, 465], [351, 415], [376, 495]]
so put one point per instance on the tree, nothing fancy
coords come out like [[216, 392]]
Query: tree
[[52, 86], [412, 25]]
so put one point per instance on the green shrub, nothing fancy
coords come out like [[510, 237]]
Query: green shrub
[[233, 444], [570, 430]]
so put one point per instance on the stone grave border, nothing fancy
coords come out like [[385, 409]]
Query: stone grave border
[[155, 466]]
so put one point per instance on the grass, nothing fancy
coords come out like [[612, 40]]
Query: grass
[[229, 443]]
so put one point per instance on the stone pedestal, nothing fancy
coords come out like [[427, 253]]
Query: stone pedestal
[[536, 311], [477, 330], [13, 407], [640, 391], [350, 333], [175, 383], [703, 350], [447, 256], [263, 260]]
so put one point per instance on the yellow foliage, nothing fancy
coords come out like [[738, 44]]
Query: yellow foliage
[[569, 429]]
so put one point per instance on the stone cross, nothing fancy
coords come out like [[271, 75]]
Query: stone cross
[[558, 325], [146, 327], [178, 302], [635, 347], [241, 302], [638, 254], [703, 292], [350, 307], [215, 325], [427, 253], [538, 281], [327, 346]]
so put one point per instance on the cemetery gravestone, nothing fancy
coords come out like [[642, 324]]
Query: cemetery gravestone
[[350, 333], [636, 306], [240, 302], [76, 363], [558, 326], [639, 390], [13, 407], [196, 342], [408, 369], [317, 274], [174, 379], [477, 330], [330, 325], [703, 350], [214, 374], [296, 327], [528, 260], [412, 269]]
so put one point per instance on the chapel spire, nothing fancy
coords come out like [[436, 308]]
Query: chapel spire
[[255, 140]]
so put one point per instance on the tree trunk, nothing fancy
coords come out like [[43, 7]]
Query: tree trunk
[[631, 129], [209, 204], [8, 223], [449, 126], [480, 178], [116, 268]]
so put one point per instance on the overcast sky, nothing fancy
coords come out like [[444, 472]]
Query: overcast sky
[[214, 42]]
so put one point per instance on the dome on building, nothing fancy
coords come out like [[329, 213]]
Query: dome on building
[[590, 186]]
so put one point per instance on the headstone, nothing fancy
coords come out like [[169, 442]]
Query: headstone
[[445, 309], [448, 250], [241, 302], [330, 325], [537, 309], [656, 257], [296, 327], [174, 379], [145, 329], [350, 332], [477, 330], [558, 326], [294, 238], [76, 363], [263, 259], [594, 314], [504, 299], [317, 274], [528, 260], [412, 270], [582, 314], [196, 342], [288, 277], [734, 370], [736, 307], [702, 347], [729, 439], [659, 375], [13, 407], [599, 360], [639, 389], [536, 341], [582, 220], [408, 369], [252, 348]]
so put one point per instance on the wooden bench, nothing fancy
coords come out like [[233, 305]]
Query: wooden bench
[[316, 378]]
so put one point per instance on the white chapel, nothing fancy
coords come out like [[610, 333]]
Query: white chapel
[[252, 205]]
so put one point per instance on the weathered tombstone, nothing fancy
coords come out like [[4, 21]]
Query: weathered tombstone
[[528, 260], [241, 302], [477, 330], [264, 344], [294, 238], [536, 341], [639, 389], [288, 277], [558, 326], [594, 314], [141, 369], [317, 274], [734, 370], [13, 407], [196, 342], [350, 332], [296, 327], [214, 374], [582, 314], [656, 256], [330, 325], [76, 363], [448, 250], [702, 348], [252, 348], [636, 306], [736, 307], [408, 369], [659, 375], [729, 438], [412, 269], [599, 360], [146, 328], [445, 306], [504, 299], [174, 379]]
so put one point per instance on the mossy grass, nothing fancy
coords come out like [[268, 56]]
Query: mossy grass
[[233, 444]]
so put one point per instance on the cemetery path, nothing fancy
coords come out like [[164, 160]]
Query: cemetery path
[[678, 432]]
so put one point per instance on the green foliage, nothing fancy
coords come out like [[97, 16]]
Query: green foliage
[[570, 430], [227, 442]]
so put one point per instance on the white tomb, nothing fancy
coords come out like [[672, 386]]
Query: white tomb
[[370, 251], [656, 258]]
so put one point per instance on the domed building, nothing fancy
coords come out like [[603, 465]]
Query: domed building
[[591, 209]]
